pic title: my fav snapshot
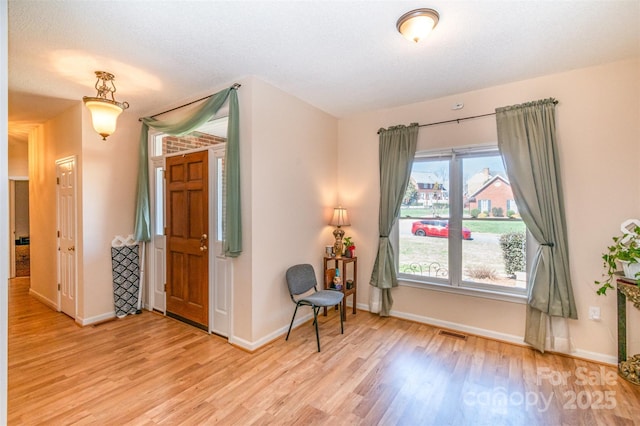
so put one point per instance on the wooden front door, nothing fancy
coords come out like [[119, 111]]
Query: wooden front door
[[187, 222]]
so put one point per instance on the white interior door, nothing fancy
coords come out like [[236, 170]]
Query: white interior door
[[66, 214]]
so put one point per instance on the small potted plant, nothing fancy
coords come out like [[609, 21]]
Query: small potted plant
[[624, 250], [349, 247]]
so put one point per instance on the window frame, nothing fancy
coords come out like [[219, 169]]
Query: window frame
[[454, 283]]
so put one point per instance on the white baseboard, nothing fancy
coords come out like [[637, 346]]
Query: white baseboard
[[50, 303], [98, 318], [504, 337], [252, 346], [595, 356], [490, 334]]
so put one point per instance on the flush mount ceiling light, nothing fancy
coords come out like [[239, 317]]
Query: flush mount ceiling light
[[417, 24], [104, 112]]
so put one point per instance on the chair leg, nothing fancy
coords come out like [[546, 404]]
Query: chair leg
[[341, 323], [292, 318], [315, 320]]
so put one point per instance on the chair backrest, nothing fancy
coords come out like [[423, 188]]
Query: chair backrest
[[300, 279]]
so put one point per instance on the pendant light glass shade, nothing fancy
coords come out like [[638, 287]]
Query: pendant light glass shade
[[104, 115], [104, 112], [417, 24]]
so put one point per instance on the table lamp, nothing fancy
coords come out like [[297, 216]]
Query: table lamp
[[340, 218]]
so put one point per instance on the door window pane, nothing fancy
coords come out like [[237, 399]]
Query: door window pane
[[159, 207]]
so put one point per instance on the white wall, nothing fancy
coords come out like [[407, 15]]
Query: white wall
[[108, 200], [105, 200], [4, 217], [57, 138], [293, 192], [18, 158], [598, 124]]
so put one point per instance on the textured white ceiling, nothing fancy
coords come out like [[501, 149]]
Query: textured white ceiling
[[343, 57]]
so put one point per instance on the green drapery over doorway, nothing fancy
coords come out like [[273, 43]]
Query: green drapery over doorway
[[232, 239]]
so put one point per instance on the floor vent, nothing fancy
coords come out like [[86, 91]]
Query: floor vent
[[452, 334]]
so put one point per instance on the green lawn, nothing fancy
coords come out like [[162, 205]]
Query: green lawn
[[428, 256], [501, 226]]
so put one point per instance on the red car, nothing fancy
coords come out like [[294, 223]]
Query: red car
[[435, 228]]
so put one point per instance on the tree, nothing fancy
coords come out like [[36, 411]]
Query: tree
[[411, 194]]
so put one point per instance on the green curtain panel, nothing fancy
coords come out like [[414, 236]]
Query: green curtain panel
[[397, 150], [142, 230], [232, 225], [527, 141]]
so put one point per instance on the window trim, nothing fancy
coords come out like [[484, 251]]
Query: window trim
[[454, 284]]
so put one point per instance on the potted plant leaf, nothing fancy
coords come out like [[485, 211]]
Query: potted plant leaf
[[625, 251], [349, 247]]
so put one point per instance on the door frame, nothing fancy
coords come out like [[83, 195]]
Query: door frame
[[155, 162], [220, 266], [12, 222]]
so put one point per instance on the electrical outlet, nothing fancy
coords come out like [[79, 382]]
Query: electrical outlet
[[594, 313]]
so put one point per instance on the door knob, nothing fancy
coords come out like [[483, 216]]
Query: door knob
[[203, 248], [72, 248]]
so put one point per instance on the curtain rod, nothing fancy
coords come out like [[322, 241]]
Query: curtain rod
[[455, 120], [235, 86]]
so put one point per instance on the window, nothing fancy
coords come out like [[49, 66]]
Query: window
[[159, 199], [211, 133], [485, 206], [460, 235]]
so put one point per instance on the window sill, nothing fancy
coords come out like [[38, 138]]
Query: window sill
[[466, 291]]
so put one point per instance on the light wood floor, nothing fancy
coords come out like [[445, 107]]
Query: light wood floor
[[148, 369]]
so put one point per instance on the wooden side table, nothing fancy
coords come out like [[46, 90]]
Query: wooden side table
[[628, 369], [348, 271]]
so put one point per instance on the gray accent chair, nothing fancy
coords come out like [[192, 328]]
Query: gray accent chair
[[301, 280]]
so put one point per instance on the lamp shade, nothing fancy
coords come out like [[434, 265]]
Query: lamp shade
[[104, 112], [340, 217], [104, 115], [417, 24]]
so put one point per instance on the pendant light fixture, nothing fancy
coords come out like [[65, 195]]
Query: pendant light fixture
[[104, 112], [417, 24]]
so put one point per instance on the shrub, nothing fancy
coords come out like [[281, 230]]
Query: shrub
[[497, 212], [481, 272], [482, 215], [474, 213], [511, 213], [513, 252]]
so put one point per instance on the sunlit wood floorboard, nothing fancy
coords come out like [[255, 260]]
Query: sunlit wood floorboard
[[148, 369]]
